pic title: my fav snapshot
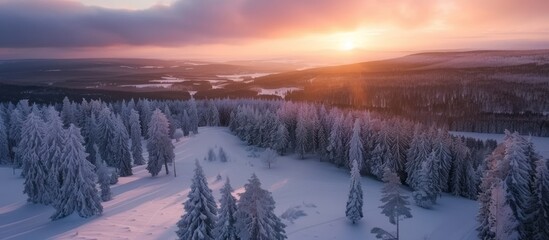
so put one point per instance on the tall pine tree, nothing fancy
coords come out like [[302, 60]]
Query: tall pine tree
[[159, 144], [198, 221], [225, 227], [355, 200], [255, 218], [77, 192]]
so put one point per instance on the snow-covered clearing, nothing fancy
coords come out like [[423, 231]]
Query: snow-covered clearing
[[541, 144], [281, 92], [242, 77], [152, 85], [169, 79], [312, 193]]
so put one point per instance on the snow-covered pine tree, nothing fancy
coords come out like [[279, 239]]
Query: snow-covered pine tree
[[145, 112], [382, 155], [395, 203], [103, 177], [185, 120], [282, 139], [222, 155], [52, 149], [301, 135], [539, 203], [255, 218], [67, 112], [198, 222], [135, 136], [504, 224], [211, 155], [29, 157], [159, 144], [427, 188], [16, 122], [518, 180], [490, 177], [193, 116], [225, 227], [355, 200], [336, 146], [441, 146], [121, 150], [77, 192], [4, 144], [355, 146], [418, 152]]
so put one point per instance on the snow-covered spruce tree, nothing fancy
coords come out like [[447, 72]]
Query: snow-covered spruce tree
[[336, 146], [178, 134], [222, 155], [16, 122], [395, 203], [193, 117], [504, 224], [301, 135], [103, 177], [355, 146], [4, 144], [68, 112], [198, 222], [159, 144], [211, 155], [255, 218], [518, 180], [539, 203], [135, 136], [441, 146], [382, 155], [105, 134], [121, 150], [77, 192], [34, 166], [427, 188], [418, 152], [145, 112], [282, 138], [490, 177], [355, 200], [52, 149], [225, 227]]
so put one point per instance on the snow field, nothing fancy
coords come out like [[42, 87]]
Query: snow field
[[144, 207]]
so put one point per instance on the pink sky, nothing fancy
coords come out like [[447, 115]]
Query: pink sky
[[265, 28]]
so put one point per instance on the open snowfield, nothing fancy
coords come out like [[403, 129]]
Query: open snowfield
[[541, 144], [144, 207]]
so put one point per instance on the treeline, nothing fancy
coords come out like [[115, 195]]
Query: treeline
[[473, 99]]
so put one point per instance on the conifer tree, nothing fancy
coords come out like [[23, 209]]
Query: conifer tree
[[355, 146], [198, 222], [77, 192], [121, 150], [255, 218], [301, 136], [159, 144], [539, 203], [4, 144], [225, 227], [52, 149], [222, 155], [33, 165], [282, 138], [103, 177], [135, 136], [355, 200], [504, 224], [427, 188]]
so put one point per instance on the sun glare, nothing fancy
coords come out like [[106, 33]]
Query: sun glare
[[347, 45]]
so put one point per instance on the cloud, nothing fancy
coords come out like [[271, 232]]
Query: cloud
[[63, 23]]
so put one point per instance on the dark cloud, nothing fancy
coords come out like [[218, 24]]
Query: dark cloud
[[59, 23]]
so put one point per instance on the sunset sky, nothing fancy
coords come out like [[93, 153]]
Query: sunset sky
[[247, 29]]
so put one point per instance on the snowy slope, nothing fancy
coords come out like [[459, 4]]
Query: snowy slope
[[148, 208]]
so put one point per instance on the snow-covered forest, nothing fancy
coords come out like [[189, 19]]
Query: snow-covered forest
[[70, 154]]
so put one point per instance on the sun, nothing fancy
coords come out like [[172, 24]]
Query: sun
[[347, 45]]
